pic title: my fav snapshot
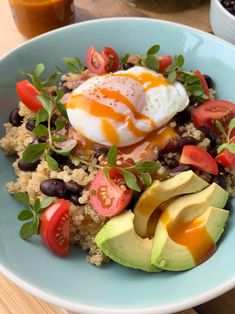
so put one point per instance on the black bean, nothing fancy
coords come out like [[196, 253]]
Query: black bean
[[220, 180], [53, 187], [183, 141], [30, 125], [127, 65], [15, 118], [31, 166], [171, 162], [193, 101], [62, 160], [180, 168], [182, 117], [73, 187], [101, 151], [74, 198], [209, 81], [209, 133]]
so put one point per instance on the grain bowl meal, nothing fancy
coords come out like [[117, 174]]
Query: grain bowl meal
[[131, 159]]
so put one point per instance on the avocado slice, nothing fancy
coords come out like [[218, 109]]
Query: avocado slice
[[118, 240], [189, 228], [159, 192]]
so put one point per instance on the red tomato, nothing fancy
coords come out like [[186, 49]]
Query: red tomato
[[198, 158], [203, 82], [212, 110], [225, 158], [109, 198], [101, 63], [54, 227], [27, 93], [164, 62]]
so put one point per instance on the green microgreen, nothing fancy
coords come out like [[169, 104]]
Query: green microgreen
[[227, 145], [74, 64], [149, 59], [174, 68], [31, 214], [124, 58]]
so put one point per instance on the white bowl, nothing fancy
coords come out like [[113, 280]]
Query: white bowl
[[222, 21]]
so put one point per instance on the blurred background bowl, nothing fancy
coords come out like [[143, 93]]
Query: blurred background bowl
[[222, 21]]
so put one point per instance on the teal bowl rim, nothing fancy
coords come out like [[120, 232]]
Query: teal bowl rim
[[165, 309]]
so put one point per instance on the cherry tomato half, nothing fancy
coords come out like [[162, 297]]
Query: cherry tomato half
[[212, 110], [164, 62], [109, 198], [27, 93], [104, 62], [54, 227], [198, 158], [203, 82], [225, 158]]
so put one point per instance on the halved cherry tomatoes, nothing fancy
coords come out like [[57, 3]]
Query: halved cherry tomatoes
[[27, 93], [212, 110], [225, 158], [198, 158], [164, 62], [54, 227], [108, 198], [203, 82], [104, 62]]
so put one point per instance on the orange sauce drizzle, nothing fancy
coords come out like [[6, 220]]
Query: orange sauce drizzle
[[121, 98], [110, 132], [144, 150], [143, 78], [191, 234], [99, 110]]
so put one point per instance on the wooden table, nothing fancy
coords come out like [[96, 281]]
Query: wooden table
[[15, 300]]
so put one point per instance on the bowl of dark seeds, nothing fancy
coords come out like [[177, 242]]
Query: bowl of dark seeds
[[222, 18]]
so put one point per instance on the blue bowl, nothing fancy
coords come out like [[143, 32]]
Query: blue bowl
[[71, 282]]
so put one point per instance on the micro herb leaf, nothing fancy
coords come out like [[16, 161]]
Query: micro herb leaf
[[170, 68], [196, 90], [59, 138], [146, 177], [222, 147], [22, 197], [62, 109], [37, 83], [35, 225], [65, 151], [146, 166], [150, 62], [25, 215], [130, 180], [231, 148], [33, 152], [191, 79], [42, 116], [219, 126], [153, 50], [40, 130], [52, 163], [172, 77], [51, 79], [39, 69], [46, 103], [124, 58], [47, 202], [59, 94], [180, 61], [37, 206], [73, 64], [231, 125], [112, 155], [106, 173], [27, 230], [59, 124]]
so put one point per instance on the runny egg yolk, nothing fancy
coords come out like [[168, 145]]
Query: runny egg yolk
[[124, 107]]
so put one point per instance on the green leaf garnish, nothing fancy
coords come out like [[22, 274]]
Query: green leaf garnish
[[39, 69], [222, 147], [62, 110], [112, 155], [220, 127], [150, 62], [65, 151], [124, 58], [59, 124], [42, 116], [231, 125], [47, 202], [59, 138], [172, 77], [106, 173], [52, 163], [231, 148], [27, 230], [40, 130], [37, 206], [33, 152], [153, 50], [22, 197], [196, 90], [73, 64], [130, 180], [146, 166], [46, 102], [146, 177], [25, 215], [180, 61]]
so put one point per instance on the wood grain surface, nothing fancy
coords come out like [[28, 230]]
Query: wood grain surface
[[13, 299]]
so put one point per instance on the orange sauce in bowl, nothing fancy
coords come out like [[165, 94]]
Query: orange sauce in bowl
[[34, 17]]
